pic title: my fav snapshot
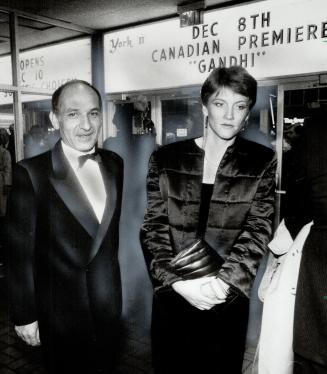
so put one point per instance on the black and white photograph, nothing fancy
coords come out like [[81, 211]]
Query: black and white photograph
[[163, 175]]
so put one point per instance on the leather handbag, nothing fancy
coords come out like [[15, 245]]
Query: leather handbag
[[196, 261]]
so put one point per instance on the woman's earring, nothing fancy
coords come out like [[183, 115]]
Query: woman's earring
[[206, 122], [245, 125]]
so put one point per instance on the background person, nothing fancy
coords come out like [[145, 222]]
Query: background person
[[5, 171], [306, 201], [5, 185], [208, 220]]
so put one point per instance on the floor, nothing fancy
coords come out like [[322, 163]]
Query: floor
[[17, 358]]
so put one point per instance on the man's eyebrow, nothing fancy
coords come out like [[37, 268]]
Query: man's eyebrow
[[78, 110], [71, 110]]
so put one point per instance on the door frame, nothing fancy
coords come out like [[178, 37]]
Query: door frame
[[287, 85]]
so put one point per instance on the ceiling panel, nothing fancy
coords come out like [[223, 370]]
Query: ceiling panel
[[102, 14], [95, 14]]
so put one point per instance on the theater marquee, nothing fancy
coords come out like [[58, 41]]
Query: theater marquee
[[271, 38], [47, 68]]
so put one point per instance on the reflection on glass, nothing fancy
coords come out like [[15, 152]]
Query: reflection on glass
[[181, 119], [261, 127], [39, 135], [142, 123]]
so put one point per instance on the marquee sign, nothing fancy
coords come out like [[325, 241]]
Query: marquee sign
[[49, 67], [270, 38]]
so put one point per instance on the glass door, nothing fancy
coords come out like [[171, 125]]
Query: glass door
[[182, 117], [299, 101]]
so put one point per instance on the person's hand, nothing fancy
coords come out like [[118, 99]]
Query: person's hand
[[218, 288], [29, 333], [191, 290]]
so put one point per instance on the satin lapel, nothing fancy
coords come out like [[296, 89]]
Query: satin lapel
[[109, 179], [66, 184]]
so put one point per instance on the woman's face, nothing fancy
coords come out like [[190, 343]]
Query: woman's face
[[227, 112]]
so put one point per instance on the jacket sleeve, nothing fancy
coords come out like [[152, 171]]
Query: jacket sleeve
[[20, 222], [155, 237], [241, 265]]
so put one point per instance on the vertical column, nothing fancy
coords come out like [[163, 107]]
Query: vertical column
[[279, 150], [97, 62], [158, 119], [14, 43]]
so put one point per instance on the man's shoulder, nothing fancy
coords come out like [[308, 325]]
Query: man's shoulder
[[36, 163], [32, 170]]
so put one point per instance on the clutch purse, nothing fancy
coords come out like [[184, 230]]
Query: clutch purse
[[196, 261]]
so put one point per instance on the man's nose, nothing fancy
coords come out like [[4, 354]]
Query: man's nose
[[84, 122]]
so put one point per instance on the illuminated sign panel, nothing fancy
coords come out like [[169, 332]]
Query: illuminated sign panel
[[49, 67], [270, 38]]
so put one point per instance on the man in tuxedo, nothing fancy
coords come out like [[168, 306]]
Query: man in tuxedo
[[63, 218]]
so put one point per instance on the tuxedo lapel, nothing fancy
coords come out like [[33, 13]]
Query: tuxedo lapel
[[109, 179], [66, 184]]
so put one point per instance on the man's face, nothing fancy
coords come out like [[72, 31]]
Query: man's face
[[79, 117]]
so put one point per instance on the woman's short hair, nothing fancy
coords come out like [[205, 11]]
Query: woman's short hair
[[234, 77]]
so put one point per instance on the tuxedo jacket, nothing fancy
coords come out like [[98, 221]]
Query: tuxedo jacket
[[63, 264], [307, 201]]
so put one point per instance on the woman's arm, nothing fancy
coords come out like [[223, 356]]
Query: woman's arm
[[155, 238], [158, 250], [241, 265]]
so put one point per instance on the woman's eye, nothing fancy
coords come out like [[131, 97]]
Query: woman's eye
[[72, 115], [241, 107], [218, 104]]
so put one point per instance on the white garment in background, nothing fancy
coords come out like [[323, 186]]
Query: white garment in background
[[276, 338], [90, 178]]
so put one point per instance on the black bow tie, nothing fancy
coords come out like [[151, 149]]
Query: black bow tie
[[90, 156]]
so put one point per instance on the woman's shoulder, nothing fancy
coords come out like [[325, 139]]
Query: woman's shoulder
[[256, 150], [187, 147]]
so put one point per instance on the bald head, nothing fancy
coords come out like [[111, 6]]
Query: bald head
[[57, 95]]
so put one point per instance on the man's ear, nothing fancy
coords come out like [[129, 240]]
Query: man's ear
[[54, 120]]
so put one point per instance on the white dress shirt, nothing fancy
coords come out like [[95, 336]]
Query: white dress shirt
[[90, 178]]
